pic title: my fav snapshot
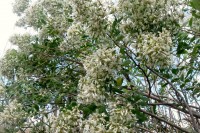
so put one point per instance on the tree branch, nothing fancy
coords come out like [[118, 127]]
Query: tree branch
[[142, 128], [138, 65], [174, 106], [196, 127], [157, 98], [163, 120]]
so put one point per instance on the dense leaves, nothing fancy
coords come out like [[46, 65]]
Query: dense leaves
[[103, 66]]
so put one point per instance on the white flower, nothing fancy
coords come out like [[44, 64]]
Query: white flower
[[95, 123], [99, 66], [145, 15], [68, 121], [155, 50], [121, 118], [12, 113], [20, 6], [2, 90]]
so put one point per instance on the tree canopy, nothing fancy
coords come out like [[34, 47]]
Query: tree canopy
[[105, 66]]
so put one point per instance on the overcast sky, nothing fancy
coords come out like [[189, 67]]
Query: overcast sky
[[7, 22]]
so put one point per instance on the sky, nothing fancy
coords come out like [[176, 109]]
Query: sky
[[7, 24]]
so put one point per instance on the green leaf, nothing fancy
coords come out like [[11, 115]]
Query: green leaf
[[102, 109], [196, 91], [114, 89], [190, 21], [189, 72], [188, 89], [120, 37], [164, 85], [119, 81], [36, 107], [70, 20], [92, 107], [183, 85], [175, 79], [195, 4], [88, 109], [154, 109], [126, 63], [140, 116], [182, 47], [167, 75], [175, 71]]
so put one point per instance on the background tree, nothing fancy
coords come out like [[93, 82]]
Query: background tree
[[103, 66]]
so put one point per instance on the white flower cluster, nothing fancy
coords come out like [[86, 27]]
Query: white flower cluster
[[35, 16], [68, 121], [20, 6], [101, 63], [121, 118], [47, 16], [2, 90], [92, 13], [74, 30], [99, 67], [73, 39], [55, 7], [7, 63], [154, 50], [142, 15], [12, 113], [90, 91], [95, 124], [22, 41], [59, 13]]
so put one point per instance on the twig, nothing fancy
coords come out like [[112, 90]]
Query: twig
[[196, 127], [145, 129], [138, 65], [163, 120]]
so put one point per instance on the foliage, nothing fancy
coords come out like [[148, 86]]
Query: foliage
[[103, 66]]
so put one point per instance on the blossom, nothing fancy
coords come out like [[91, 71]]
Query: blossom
[[67, 121], [2, 90], [73, 38], [12, 114], [154, 50], [99, 66], [20, 6], [23, 41], [147, 15], [35, 16], [121, 117], [92, 13], [95, 123]]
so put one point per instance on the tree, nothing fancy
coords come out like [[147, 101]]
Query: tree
[[103, 66]]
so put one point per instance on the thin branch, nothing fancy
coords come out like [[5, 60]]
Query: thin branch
[[196, 127], [192, 32], [145, 74], [160, 103], [174, 106], [157, 98], [163, 120], [144, 129], [77, 62]]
